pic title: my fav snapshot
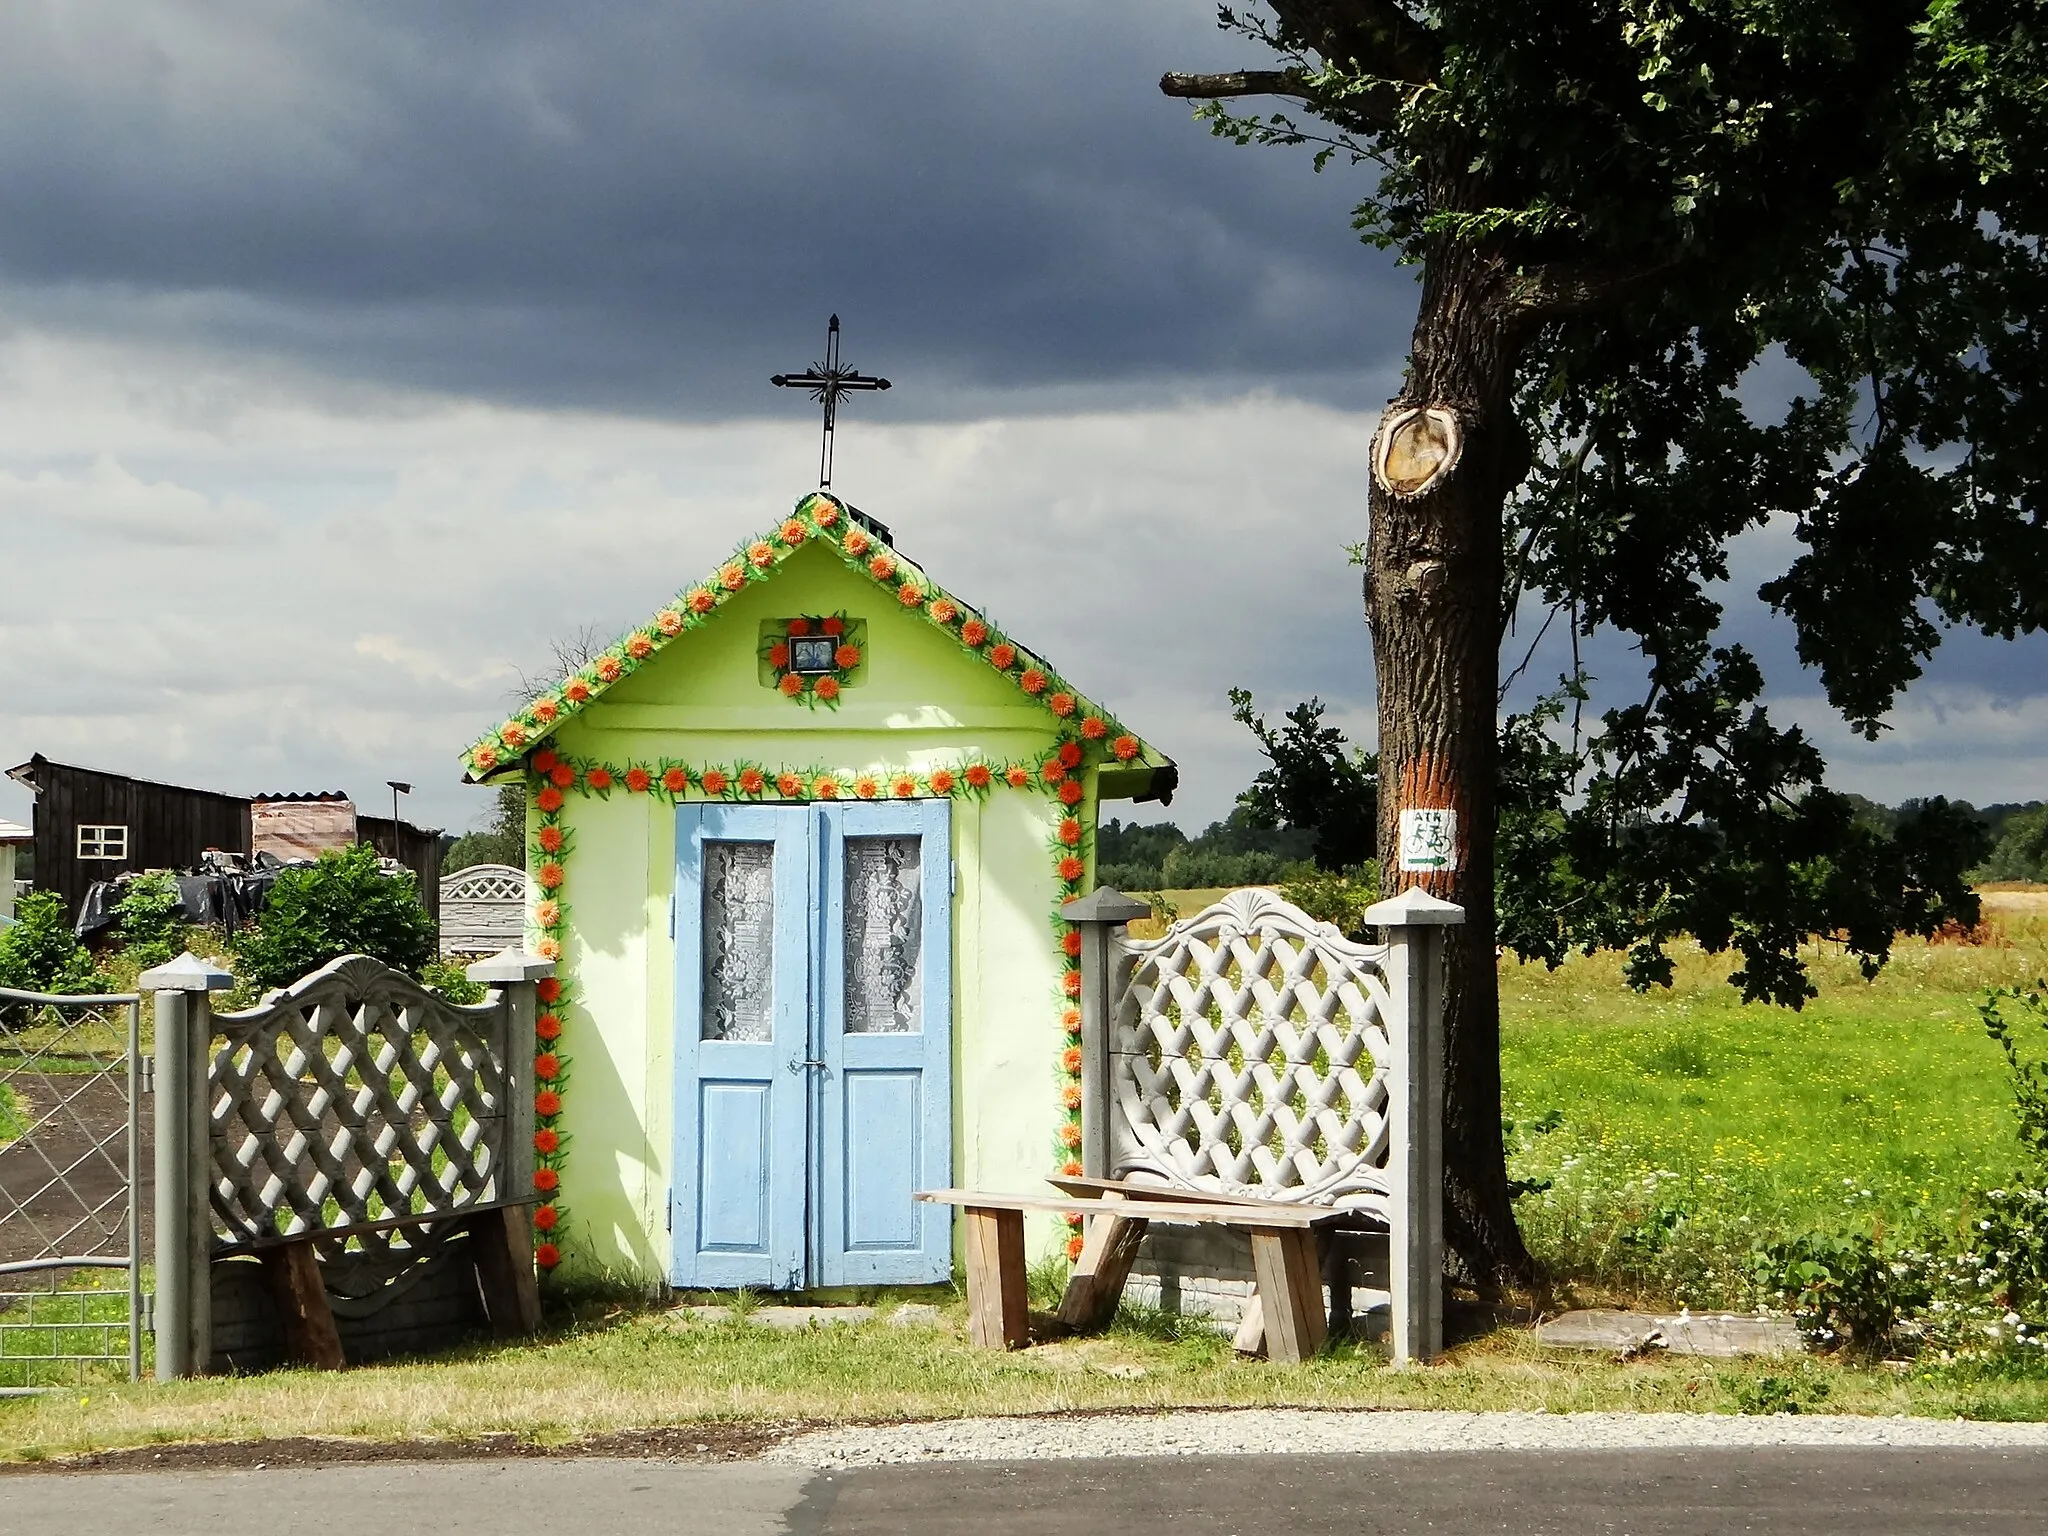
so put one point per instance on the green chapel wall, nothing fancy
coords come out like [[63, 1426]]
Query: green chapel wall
[[702, 702]]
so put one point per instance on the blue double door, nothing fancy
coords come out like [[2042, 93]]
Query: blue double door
[[813, 1044]]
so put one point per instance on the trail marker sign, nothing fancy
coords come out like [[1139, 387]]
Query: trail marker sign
[[1429, 840]]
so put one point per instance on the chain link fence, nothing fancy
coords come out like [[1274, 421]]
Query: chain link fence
[[72, 1155]]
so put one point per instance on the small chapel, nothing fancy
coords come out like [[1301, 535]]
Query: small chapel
[[798, 846]]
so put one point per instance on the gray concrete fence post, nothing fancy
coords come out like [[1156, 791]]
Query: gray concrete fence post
[[1098, 915], [183, 991], [1413, 921], [517, 976]]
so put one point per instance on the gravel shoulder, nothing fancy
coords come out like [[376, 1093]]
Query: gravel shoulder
[[1268, 1432]]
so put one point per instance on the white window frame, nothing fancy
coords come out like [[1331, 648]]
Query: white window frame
[[103, 842]]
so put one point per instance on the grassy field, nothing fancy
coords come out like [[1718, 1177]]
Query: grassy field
[[1674, 1129]]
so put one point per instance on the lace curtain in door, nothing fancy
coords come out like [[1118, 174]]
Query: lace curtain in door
[[884, 935], [739, 941]]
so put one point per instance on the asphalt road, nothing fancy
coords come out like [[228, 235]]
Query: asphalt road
[[1787, 1492]]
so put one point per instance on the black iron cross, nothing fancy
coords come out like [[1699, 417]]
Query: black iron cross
[[827, 381]]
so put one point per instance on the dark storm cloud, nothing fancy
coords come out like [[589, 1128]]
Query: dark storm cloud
[[650, 207]]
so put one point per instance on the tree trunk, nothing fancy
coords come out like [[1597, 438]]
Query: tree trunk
[[1432, 599]]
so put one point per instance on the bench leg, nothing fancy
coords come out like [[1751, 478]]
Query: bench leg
[[1337, 1276], [1251, 1328], [997, 1302], [310, 1337], [1097, 1283], [1290, 1293]]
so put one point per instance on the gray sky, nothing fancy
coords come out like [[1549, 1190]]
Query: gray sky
[[348, 353]]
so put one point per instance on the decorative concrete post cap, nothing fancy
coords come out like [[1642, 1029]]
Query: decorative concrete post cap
[[1105, 904], [512, 964], [187, 973], [1413, 908]]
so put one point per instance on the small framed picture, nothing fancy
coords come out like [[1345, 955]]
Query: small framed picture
[[811, 654]]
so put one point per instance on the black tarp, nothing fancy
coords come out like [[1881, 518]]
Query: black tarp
[[225, 899]]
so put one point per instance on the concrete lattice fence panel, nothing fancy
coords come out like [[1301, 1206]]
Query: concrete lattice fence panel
[[483, 909], [1250, 1055], [353, 1096], [344, 1170]]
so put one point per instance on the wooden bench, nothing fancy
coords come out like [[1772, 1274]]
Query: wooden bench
[[1284, 1257]]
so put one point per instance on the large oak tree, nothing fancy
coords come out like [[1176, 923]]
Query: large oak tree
[[1622, 210]]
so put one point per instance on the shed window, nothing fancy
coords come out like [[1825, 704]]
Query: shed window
[[103, 842]]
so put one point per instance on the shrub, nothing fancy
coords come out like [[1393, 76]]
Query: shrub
[[1793, 1391], [40, 953], [1843, 1288], [342, 905], [452, 982], [149, 913], [1337, 899], [2029, 1073]]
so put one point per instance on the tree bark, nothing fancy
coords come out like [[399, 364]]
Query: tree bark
[[1432, 600]]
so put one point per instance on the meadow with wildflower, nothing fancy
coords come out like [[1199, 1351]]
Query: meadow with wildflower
[[1681, 1147]]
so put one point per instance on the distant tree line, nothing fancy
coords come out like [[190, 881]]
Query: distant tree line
[[500, 840], [2017, 831], [1161, 857]]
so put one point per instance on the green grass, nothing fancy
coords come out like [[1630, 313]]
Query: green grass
[[62, 1338], [1676, 1128], [11, 1122], [623, 1368]]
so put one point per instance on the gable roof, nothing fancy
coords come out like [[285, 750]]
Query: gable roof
[[865, 548]]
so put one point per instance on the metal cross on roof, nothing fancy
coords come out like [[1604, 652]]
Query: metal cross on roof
[[827, 381]]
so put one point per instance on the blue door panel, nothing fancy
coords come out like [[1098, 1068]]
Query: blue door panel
[[734, 1164], [740, 1196], [888, 1112], [880, 1166], [795, 1158]]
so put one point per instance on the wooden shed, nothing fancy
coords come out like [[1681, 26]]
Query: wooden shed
[[91, 825], [798, 845]]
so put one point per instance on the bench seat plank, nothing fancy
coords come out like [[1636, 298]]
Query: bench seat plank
[[1270, 1215]]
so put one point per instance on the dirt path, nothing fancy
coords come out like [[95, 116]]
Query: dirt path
[[67, 1115]]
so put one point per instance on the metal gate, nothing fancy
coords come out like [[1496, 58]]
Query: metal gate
[[70, 1221]]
